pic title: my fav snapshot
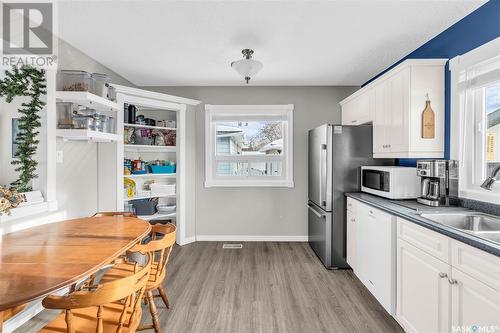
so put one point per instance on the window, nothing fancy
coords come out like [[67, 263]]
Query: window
[[248, 145], [476, 119]]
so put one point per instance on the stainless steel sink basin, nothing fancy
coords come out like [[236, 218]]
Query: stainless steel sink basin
[[466, 221], [478, 224]]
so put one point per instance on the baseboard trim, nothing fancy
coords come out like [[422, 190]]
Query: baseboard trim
[[188, 240], [242, 238]]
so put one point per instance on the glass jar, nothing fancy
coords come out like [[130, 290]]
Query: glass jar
[[65, 112], [111, 93], [83, 122], [71, 80], [101, 82]]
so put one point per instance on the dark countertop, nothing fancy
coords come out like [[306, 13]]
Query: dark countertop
[[409, 209]]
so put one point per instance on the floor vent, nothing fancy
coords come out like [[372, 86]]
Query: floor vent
[[232, 246]]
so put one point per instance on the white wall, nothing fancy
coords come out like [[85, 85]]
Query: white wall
[[255, 212], [77, 176]]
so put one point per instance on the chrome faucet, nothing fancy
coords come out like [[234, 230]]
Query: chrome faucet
[[488, 183]]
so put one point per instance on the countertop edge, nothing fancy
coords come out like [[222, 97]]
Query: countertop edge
[[400, 211]]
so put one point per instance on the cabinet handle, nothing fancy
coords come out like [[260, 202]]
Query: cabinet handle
[[353, 220], [354, 121], [452, 281], [443, 275]]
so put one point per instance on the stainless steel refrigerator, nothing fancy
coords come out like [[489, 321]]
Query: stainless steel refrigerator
[[336, 154]]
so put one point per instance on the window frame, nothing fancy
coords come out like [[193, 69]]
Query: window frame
[[468, 124], [248, 113]]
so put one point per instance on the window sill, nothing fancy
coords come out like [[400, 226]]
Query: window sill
[[242, 183], [25, 211], [481, 195]]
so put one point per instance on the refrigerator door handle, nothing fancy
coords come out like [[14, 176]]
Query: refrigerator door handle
[[323, 181], [321, 216]]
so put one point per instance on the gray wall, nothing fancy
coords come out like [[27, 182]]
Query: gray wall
[[76, 177], [256, 211]]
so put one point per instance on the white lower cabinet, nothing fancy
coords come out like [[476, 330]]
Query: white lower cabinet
[[435, 296], [423, 291], [439, 284], [474, 304], [351, 233]]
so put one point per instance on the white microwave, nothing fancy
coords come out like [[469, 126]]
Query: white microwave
[[393, 182]]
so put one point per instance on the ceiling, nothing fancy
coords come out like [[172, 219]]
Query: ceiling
[[192, 43]]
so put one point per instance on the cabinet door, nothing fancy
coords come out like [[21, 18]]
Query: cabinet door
[[423, 291], [397, 125], [351, 238], [474, 303], [357, 110], [380, 111]]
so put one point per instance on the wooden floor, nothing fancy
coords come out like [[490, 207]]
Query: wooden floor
[[264, 287]]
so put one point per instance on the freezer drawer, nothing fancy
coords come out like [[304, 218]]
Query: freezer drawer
[[320, 233]]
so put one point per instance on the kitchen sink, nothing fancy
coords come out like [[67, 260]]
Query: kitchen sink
[[466, 221], [478, 224]]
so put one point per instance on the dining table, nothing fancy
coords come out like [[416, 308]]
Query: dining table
[[38, 261]]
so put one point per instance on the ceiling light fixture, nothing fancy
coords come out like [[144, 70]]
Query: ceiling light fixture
[[247, 67]]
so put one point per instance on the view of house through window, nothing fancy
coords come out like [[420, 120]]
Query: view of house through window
[[492, 109], [249, 145], [252, 138]]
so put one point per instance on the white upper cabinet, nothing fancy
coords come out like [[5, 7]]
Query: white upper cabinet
[[394, 104], [357, 111]]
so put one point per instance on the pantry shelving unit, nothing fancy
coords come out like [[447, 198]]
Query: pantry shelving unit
[[151, 127], [152, 175], [150, 196], [150, 149], [159, 107], [87, 99], [86, 135], [158, 216], [92, 101]]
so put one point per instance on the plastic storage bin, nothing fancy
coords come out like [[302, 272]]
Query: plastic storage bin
[[162, 168], [165, 189], [75, 81]]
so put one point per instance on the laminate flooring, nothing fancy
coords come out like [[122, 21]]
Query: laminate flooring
[[263, 287]]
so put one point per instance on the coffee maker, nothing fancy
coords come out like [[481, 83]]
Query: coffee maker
[[439, 182]]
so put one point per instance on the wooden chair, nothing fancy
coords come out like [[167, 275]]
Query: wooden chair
[[11, 312], [125, 214], [113, 306], [160, 249]]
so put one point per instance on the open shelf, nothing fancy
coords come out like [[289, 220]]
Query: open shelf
[[86, 135], [151, 127], [89, 100], [151, 196], [152, 175], [157, 216], [147, 148]]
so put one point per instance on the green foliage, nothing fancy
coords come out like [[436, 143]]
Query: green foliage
[[28, 82]]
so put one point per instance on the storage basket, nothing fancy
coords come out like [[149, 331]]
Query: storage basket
[[144, 207], [162, 168], [166, 189]]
